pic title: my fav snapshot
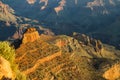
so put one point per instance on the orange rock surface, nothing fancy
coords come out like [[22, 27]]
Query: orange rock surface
[[30, 35], [113, 73]]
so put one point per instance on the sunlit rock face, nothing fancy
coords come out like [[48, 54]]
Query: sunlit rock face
[[113, 73], [88, 4], [45, 4], [95, 3], [30, 35], [31, 1], [100, 4], [60, 50], [60, 7], [5, 69]]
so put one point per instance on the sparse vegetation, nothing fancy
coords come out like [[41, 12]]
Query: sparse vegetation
[[8, 52], [72, 64], [47, 59], [46, 56]]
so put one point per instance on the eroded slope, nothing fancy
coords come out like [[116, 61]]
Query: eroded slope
[[64, 58]]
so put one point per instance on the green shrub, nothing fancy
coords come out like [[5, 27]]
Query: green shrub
[[7, 52], [20, 76]]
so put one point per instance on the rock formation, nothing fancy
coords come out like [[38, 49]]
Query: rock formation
[[73, 57], [31, 1], [113, 73], [5, 69], [68, 44], [30, 35], [100, 3], [86, 40], [57, 9], [62, 3], [6, 13], [60, 7], [46, 31]]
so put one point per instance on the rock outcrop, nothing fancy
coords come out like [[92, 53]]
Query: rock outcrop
[[46, 31], [68, 44], [5, 69], [30, 35], [71, 57], [86, 40], [31, 1], [100, 4], [113, 73], [6, 13]]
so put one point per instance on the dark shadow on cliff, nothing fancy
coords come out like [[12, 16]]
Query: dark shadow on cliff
[[16, 43]]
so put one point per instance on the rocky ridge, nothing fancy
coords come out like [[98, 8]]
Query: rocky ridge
[[92, 5], [86, 40], [52, 56], [6, 13], [101, 3]]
